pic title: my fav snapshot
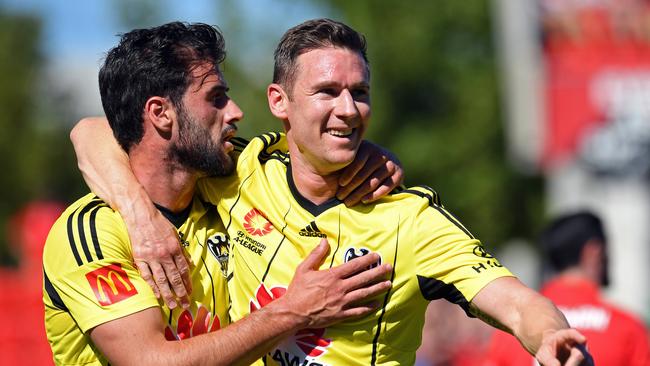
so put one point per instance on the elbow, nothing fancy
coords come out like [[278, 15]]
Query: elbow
[[81, 132], [78, 131]]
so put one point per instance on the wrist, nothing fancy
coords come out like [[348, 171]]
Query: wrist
[[133, 204], [286, 316]]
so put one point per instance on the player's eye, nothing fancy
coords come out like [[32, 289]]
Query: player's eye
[[220, 99], [329, 91], [360, 93]]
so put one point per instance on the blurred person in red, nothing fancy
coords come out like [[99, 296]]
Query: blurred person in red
[[450, 338], [576, 248], [20, 295]]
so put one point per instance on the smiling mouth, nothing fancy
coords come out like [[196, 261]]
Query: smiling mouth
[[341, 133]]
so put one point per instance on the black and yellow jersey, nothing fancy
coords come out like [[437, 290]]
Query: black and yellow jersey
[[90, 278], [272, 228]]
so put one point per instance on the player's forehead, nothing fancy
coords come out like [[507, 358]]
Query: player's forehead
[[331, 63], [206, 75]]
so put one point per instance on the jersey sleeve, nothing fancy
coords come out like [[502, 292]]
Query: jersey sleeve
[[450, 262], [89, 270]]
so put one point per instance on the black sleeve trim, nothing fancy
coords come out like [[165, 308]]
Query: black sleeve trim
[[434, 289], [434, 202], [93, 233], [51, 292], [239, 143], [80, 228], [73, 245]]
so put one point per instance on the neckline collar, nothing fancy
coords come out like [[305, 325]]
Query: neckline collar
[[308, 205], [176, 218]]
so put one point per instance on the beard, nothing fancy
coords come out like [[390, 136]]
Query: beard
[[196, 150]]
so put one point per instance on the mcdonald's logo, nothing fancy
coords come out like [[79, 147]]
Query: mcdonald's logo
[[111, 284]]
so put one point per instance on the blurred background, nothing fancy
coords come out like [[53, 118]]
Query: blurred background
[[513, 110]]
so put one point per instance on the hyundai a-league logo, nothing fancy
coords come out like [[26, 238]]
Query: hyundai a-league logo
[[256, 224]]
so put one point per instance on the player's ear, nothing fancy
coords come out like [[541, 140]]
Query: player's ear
[[278, 101], [159, 112]]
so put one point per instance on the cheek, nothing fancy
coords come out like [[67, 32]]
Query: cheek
[[365, 115]]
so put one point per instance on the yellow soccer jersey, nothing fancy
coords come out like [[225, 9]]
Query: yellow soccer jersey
[[272, 228], [90, 278]]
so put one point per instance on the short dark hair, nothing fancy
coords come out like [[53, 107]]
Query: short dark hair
[[150, 62], [564, 238], [310, 35]]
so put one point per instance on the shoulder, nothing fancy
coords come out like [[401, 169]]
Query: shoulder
[[81, 232], [88, 208], [413, 201], [422, 204], [262, 148], [417, 194], [627, 320], [252, 155]]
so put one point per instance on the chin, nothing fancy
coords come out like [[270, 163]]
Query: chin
[[340, 161]]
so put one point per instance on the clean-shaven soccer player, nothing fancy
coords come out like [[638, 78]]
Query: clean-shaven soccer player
[[166, 98], [279, 202]]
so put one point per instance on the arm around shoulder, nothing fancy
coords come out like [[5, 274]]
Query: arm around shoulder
[[106, 169]]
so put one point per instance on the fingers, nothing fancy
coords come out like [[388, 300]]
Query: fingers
[[353, 168], [182, 262], [368, 292], [570, 336], [367, 277], [143, 268], [576, 358], [564, 347], [546, 357], [160, 280], [356, 265], [394, 178], [163, 263], [380, 174], [175, 279], [384, 188], [315, 258], [372, 165], [360, 310], [374, 188]]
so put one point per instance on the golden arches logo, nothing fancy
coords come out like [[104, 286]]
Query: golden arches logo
[[111, 284]]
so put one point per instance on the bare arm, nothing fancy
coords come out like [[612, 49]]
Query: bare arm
[[156, 248], [538, 325], [314, 299]]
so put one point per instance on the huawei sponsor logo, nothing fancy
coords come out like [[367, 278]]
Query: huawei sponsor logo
[[191, 324], [305, 346]]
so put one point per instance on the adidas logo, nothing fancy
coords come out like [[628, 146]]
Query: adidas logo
[[311, 230]]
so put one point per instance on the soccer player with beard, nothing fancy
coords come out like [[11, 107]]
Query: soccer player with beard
[[167, 102], [281, 203]]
